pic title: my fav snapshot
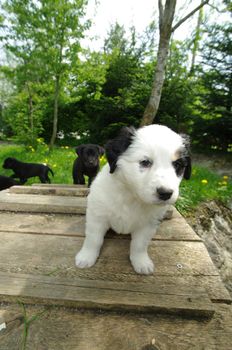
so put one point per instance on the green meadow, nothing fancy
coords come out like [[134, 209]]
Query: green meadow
[[204, 185]]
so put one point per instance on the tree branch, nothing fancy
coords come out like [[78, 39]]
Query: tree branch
[[161, 14], [216, 8], [189, 15]]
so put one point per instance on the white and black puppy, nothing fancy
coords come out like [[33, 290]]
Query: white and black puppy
[[133, 192], [87, 163]]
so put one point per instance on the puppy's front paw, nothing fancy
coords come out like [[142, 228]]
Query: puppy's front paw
[[85, 258], [142, 264]]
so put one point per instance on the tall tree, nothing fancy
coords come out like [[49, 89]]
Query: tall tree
[[166, 28], [52, 30], [61, 21], [17, 40]]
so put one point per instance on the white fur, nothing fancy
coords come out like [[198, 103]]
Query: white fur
[[127, 199]]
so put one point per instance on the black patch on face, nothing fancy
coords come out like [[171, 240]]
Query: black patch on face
[[114, 148], [183, 166], [179, 166]]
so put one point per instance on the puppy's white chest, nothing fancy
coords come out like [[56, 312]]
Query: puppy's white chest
[[122, 223], [129, 219]]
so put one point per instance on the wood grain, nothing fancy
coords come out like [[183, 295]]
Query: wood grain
[[42, 228], [41, 203], [103, 295], [74, 225]]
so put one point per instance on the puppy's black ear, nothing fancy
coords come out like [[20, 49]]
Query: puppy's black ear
[[79, 149], [188, 167], [101, 150], [117, 146]]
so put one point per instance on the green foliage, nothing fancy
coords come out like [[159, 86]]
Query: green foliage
[[93, 94], [124, 89], [19, 118], [44, 38], [176, 100], [212, 122], [204, 185], [109, 91]]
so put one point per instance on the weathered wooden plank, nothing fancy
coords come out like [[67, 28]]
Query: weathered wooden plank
[[176, 281], [74, 225], [51, 190], [62, 328], [103, 295], [175, 213], [42, 204], [168, 287], [45, 253], [215, 288], [52, 185], [176, 229], [51, 255], [45, 223], [54, 255], [182, 262]]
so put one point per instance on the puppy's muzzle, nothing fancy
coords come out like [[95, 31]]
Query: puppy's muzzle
[[164, 193]]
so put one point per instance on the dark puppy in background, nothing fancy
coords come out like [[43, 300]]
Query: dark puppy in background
[[24, 171], [87, 163], [6, 182]]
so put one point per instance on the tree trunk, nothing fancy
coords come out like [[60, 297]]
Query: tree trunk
[[55, 115], [166, 16], [196, 41], [154, 100], [165, 27]]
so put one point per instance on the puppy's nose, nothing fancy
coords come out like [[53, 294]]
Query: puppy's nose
[[164, 193]]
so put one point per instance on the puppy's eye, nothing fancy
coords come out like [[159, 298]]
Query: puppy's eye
[[179, 166], [146, 163]]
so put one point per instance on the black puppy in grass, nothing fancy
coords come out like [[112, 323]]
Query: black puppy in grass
[[87, 163], [24, 171], [6, 182]]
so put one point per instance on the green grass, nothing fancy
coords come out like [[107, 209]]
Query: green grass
[[59, 159], [203, 185], [27, 323]]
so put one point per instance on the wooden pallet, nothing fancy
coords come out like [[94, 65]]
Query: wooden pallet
[[42, 228]]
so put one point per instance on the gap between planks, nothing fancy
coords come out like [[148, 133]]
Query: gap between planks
[[50, 190]]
